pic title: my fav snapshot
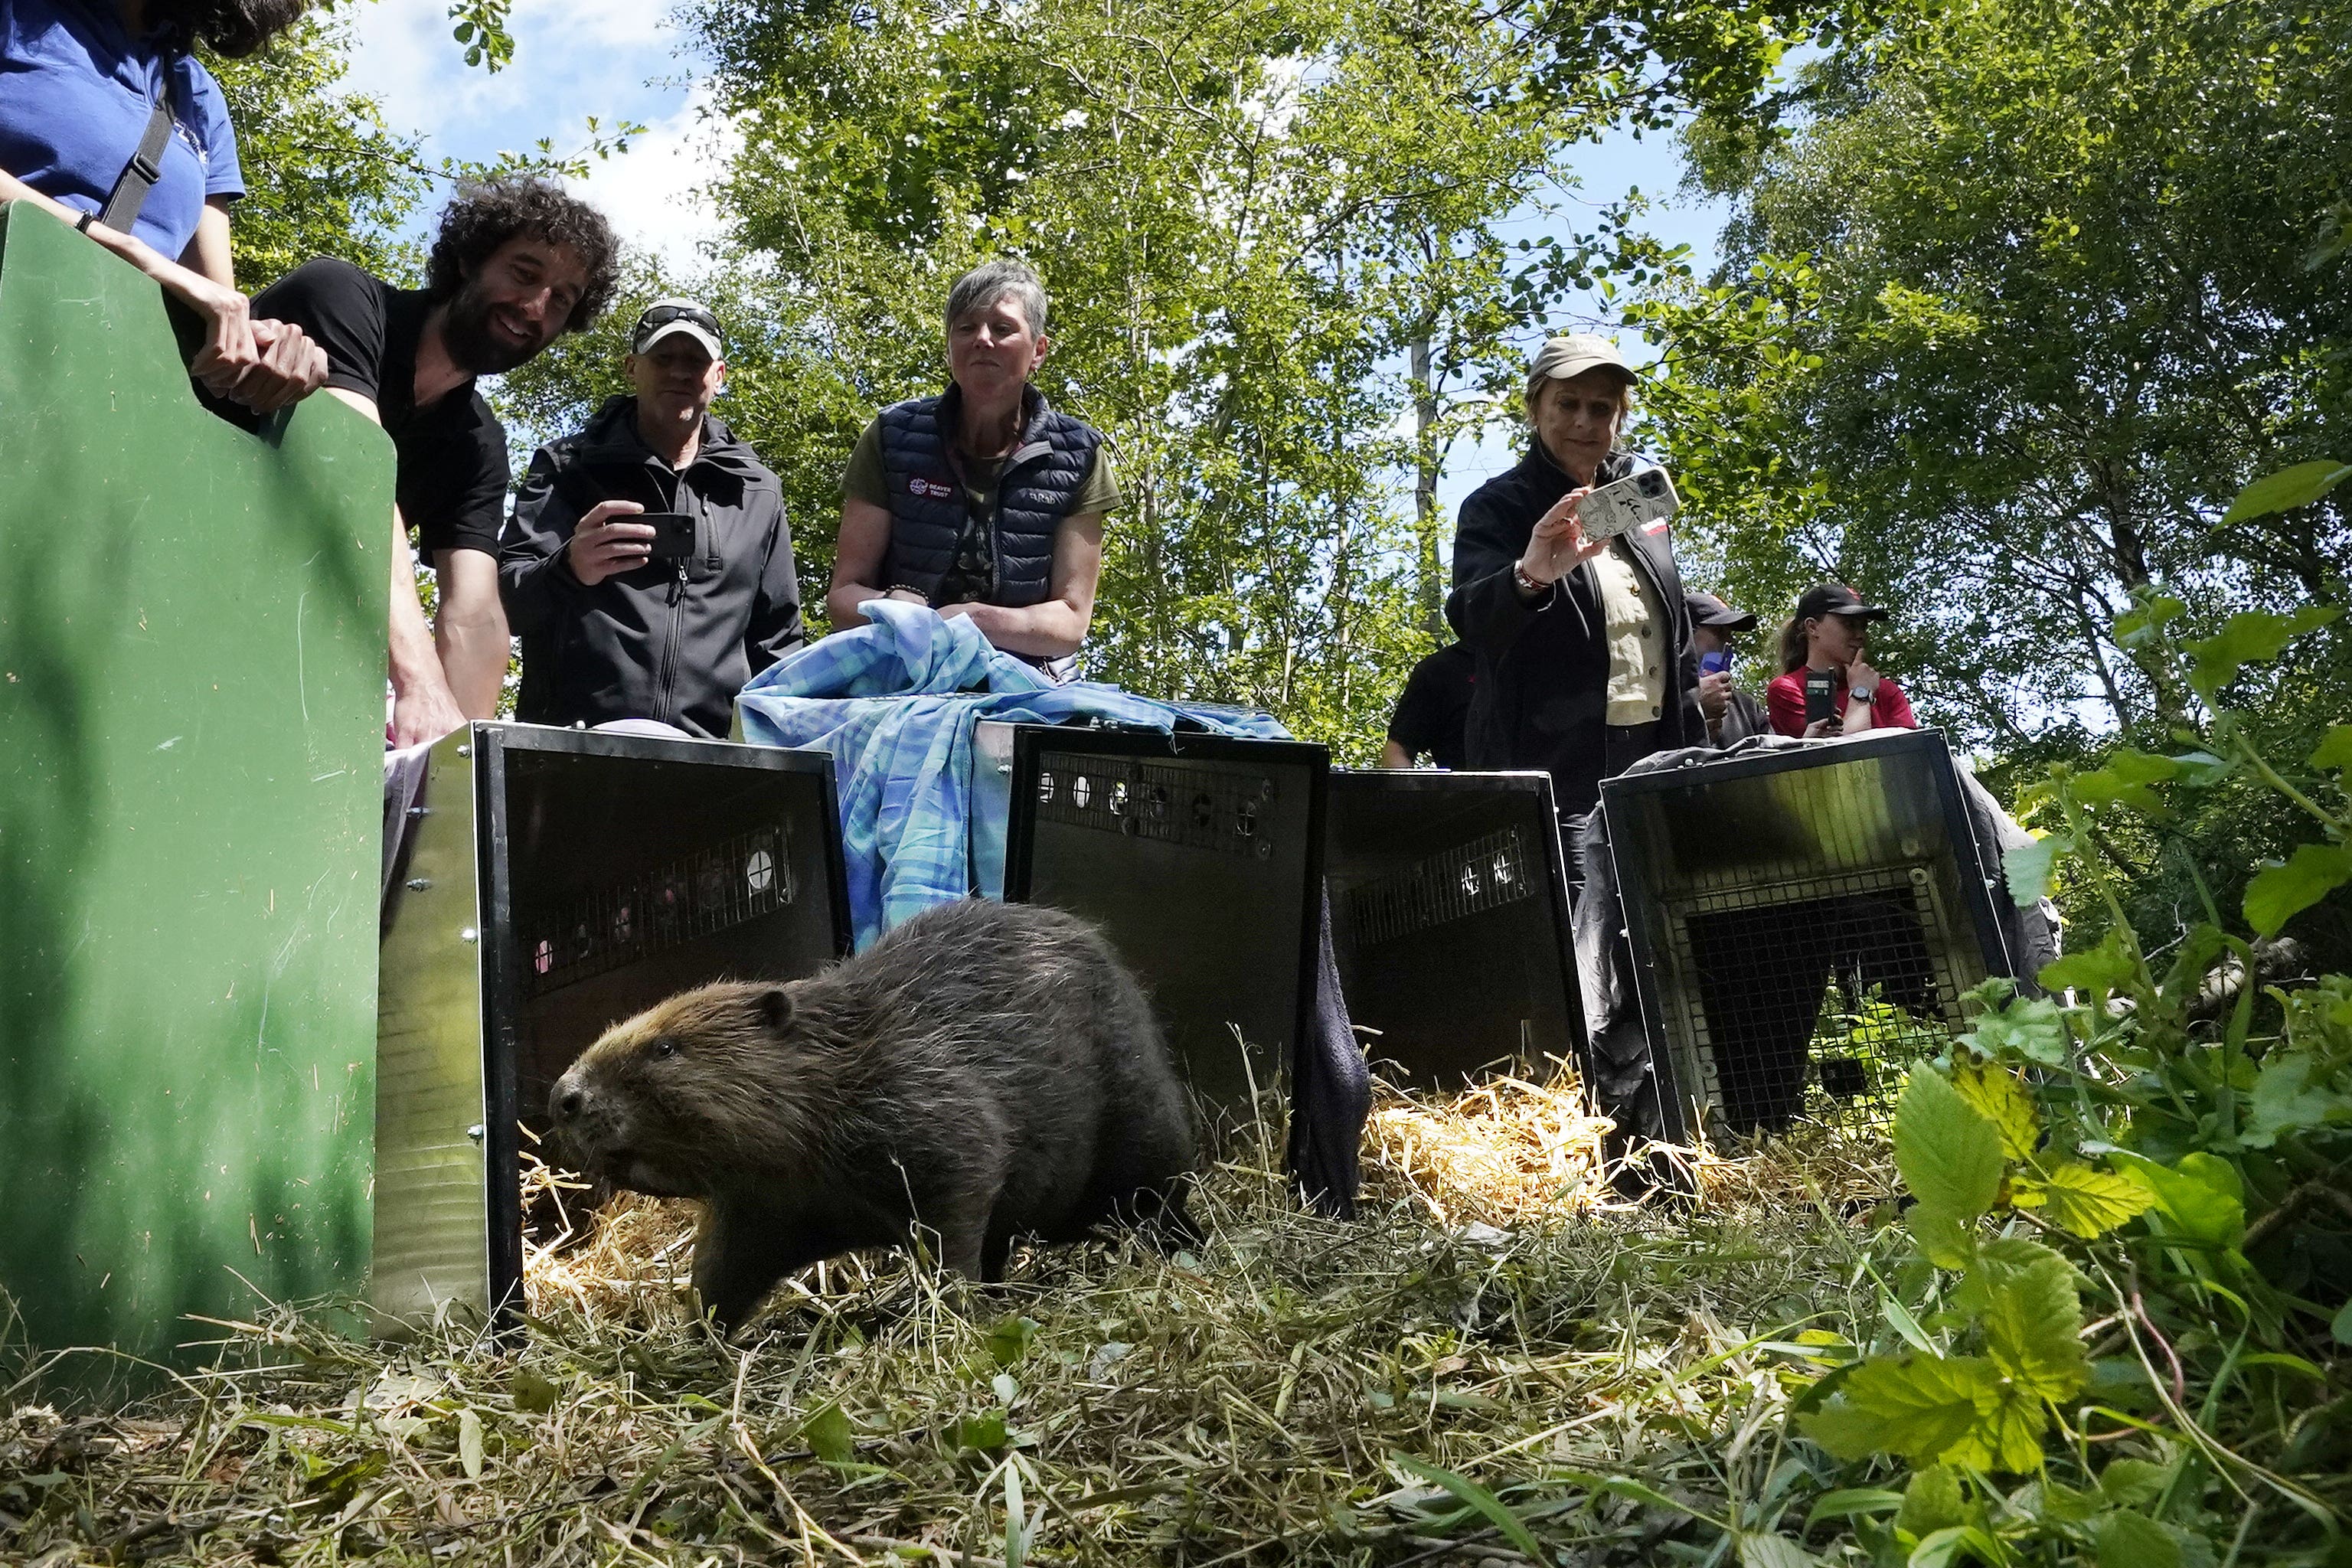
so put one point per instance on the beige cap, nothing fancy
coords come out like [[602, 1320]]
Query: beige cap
[[1571, 355]]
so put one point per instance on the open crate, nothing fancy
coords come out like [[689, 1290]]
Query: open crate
[[1803, 923], [554, 882]]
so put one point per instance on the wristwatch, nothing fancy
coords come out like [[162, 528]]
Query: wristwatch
[[1861, 693]]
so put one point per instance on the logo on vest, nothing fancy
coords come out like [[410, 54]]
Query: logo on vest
[[932, 487]]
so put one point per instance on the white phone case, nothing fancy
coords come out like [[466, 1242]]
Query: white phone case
[[1635, 501]]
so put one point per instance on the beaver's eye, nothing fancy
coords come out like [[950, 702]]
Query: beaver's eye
[[664, 1047]]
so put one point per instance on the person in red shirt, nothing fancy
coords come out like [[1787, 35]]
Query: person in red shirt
[[1830, 634]]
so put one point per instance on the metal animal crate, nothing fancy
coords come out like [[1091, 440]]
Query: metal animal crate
[[555, 882], [1198, 855], [1449, 920], [1803, 923]]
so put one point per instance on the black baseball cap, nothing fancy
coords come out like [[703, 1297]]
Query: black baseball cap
[[1837, 599], [1706, 610]]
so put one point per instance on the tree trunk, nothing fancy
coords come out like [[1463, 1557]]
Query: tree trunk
[[1426, 523]]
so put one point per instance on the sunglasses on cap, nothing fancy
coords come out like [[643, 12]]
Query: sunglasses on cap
[[663, 315]]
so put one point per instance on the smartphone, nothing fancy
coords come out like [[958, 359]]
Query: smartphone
[[1641, 501], [1820, 695], [1716, 662], [673, 537]]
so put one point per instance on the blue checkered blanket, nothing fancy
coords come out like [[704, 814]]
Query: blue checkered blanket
[[895, 700]]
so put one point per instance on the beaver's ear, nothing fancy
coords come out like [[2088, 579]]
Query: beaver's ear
[[773, 1007]]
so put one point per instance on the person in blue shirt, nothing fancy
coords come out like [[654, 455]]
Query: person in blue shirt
[[79, 82]]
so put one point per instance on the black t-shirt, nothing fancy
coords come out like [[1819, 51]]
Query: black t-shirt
[[1430, 715], [451, 455]]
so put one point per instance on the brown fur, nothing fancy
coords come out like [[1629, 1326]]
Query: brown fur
[[984, 1071]]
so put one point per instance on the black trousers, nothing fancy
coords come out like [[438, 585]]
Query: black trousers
[[1622, 746]]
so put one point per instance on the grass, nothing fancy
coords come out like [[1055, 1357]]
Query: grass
[[1490, 1332]]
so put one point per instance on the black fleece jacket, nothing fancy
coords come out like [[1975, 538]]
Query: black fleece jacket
[[672, 640], [1541, 697]]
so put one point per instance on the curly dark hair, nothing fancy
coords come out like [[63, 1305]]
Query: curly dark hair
[[230, 28], [485, 215]]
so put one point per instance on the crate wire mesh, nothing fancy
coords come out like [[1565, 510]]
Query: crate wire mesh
[[1451, 885], [695, 895], [1812, 998]]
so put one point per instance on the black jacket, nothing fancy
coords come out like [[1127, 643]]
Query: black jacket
[[671, 640], [1541, 695]]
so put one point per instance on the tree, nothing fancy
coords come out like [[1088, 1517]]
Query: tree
[[2009, 320]]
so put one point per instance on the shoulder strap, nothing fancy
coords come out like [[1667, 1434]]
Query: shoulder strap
[[139, 175]]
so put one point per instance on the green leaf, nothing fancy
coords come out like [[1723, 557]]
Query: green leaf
[[1478, 1497], [1943, 1549], [2027, 1027], [1010, 1339], [1947, 1152], [828, 1435], [1852, 1502], [2335, 749], [1760, 1550], [2285, 1100], [1915, 1405], [2132, 1483], [2033, 1324], [2286, 489], [533, 1391], [1932, 1501], [2004, 1103], [469, 1443], [2249, 637], [2007, 1437], [982, 1432], [2198, 1196], [2342, 1327], [2279, 893], [2125, 779], [2129, 1539], [2138, 626], [2027, 869], [2081, 1200], [1946, 1240], [2108, 967]]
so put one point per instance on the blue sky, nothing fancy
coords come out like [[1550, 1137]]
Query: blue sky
[[620, 59]]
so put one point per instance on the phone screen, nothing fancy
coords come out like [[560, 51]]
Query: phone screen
[[1820, 695]]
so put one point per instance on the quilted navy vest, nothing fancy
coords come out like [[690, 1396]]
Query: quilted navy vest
[[927, 504]]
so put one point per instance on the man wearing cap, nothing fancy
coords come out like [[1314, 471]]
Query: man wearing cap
[[609, 631], [1828, 686], [1584, 656], [1731, 714]]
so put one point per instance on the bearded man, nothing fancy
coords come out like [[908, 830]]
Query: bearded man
[[515, 264]]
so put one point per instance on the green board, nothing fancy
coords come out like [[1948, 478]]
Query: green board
[[192, 656]]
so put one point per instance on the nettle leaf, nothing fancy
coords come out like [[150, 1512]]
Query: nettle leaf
[[1915, 1405], [2004, 1102], [2027, 869], [1947, 1240], [2080, 1199], [2033, 1324], [2287, 489], [2278, 893], [2198, 1196], [1010, 1339], [2110, 966], [2009, 1438], [2286, 1101], [1947, 1151], [2335, 749], [2249, 637], [2031, 1027], [828, 1435]]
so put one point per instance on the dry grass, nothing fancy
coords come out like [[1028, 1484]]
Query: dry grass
[[1492, 1312]]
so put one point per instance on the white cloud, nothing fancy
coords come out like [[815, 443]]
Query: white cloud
[[656, 193]]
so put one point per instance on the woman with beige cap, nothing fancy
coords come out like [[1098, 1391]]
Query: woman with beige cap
[[1585, 662]]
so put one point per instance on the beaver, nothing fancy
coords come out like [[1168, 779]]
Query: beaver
[[985, 1071]]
